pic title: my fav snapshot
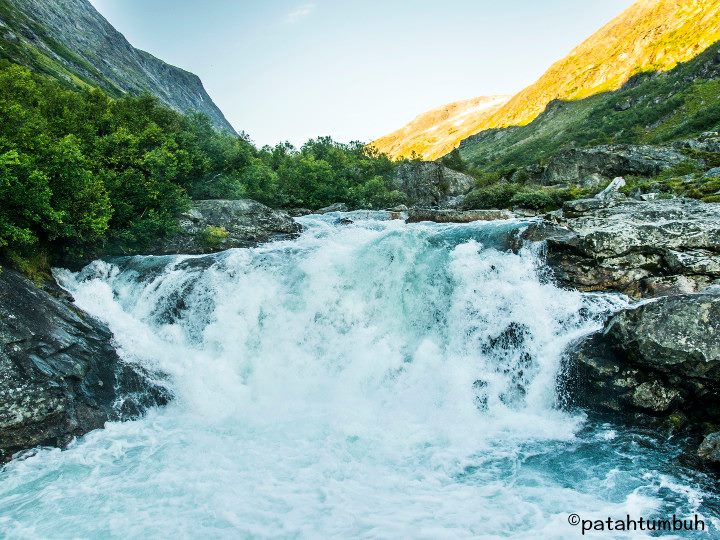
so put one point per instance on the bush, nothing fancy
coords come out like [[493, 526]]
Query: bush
[[493, 196], [534, 200]]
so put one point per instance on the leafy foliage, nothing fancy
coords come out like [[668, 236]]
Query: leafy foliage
[[84, 174]]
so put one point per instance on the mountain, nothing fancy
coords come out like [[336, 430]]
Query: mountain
[[650, 109], [651, 35], [70, 40], [436, 132]]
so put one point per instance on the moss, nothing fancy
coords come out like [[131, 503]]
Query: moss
[[35, 264], [213, 237]]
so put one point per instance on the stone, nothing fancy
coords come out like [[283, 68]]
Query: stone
[[660, 358], [654, 397], [216, 225], [456, 216], [713, 173], [633, 246], [60, 376], [710, 448], [429, 184], [337, 207], [609, 161]]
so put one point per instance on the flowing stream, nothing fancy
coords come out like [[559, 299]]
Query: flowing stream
[[372, 380]]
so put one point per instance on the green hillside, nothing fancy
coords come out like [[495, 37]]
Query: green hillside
[[651, 108]]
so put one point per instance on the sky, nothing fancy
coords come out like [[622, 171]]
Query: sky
[[354, 69]]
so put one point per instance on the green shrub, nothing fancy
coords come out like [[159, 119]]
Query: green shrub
[[534, 200], [494, 196]]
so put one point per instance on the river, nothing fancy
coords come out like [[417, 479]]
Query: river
[[371, 380]]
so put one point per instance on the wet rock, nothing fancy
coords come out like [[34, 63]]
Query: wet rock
[[641, 248], [337, 207], [430, 184], [299, 212], [217, 225], [456, 216], [660, 358], [344, 221], [710, 448], [713, 173], [60, 376]]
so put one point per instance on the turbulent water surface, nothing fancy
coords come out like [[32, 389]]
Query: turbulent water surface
[[373, 380]]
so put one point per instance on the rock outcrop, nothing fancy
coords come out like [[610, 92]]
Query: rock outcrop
[[60, 376], [661, 358], [72, 41], [591, 166], [641, 248], [416, 215], [217, 225], [431, 185]]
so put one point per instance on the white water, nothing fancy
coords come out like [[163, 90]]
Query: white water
[[376, 380]]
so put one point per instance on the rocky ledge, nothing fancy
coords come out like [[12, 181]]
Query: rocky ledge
[[641, 248], [658, 360], [416, 215], [216, 225], [60, 376]]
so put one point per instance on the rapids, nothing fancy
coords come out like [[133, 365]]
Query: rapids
[[372, 380]]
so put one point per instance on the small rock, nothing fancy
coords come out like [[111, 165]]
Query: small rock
[[654, 397], [710, 448], [456, 216], [344, 221], [337, 207], [713, 173]]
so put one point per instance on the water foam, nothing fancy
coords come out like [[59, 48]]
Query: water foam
[[375, 380]]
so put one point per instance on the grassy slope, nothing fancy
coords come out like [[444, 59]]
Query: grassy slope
[[665, 106], [652, 35]]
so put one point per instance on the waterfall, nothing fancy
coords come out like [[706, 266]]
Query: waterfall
[[367, 380]]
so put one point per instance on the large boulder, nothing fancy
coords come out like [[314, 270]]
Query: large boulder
[[216, 225], [661, 358], [598, 163], [60, 376], [430, 184], [642, 248]]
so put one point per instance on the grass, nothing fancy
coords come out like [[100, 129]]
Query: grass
[[680, 103]]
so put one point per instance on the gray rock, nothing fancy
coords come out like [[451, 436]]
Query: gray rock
[[430, 184], [212, 226], [672, 332], [661, 358], [456, 216], [713, 173], [59, 374], [710, 448], [105, 58], [608, 161], [633, 246], [337, 207]]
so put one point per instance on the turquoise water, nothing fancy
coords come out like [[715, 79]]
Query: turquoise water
[[376, 380]]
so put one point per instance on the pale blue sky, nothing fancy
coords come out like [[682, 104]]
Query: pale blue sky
[[291, 70]]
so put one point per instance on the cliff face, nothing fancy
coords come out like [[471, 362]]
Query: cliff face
[[651, 35], [70, 40]]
